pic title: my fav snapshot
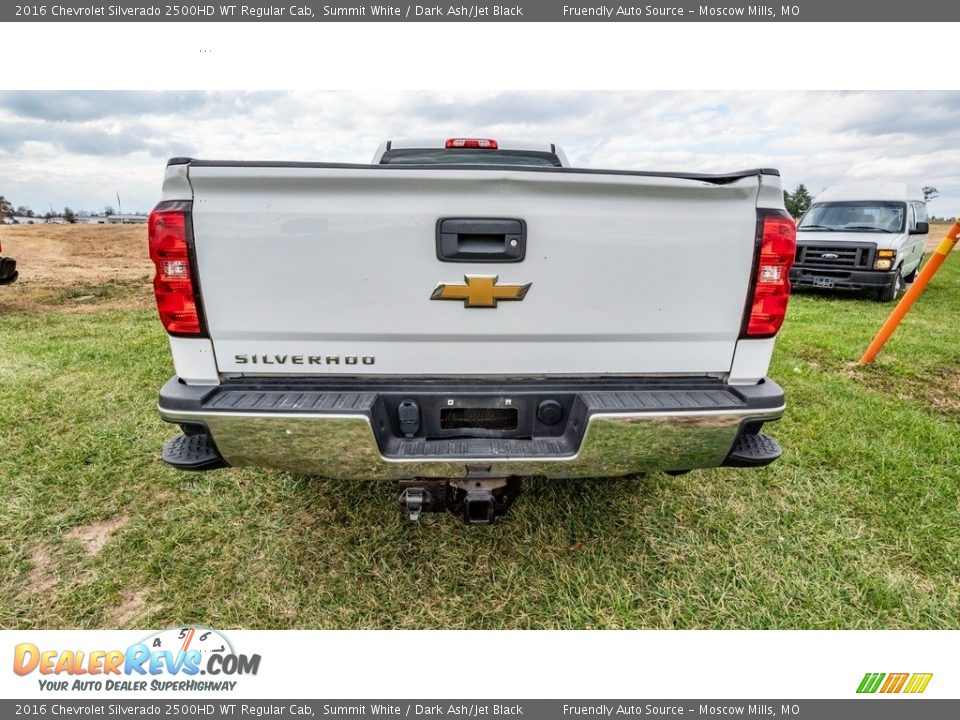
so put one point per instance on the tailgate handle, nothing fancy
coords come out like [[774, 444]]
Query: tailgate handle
[[492, 240]]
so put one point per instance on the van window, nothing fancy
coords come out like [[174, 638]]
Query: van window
[[919, 212], [860, 216]]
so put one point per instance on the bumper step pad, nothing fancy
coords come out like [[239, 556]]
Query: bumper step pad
[[753, 450], [193, 452]]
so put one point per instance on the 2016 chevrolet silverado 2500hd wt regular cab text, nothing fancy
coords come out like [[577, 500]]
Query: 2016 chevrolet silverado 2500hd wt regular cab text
[[460, 313]]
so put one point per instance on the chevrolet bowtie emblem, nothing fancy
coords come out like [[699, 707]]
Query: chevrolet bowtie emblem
[[480, 291]]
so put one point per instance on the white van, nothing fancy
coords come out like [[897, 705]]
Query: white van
[[869, 235]]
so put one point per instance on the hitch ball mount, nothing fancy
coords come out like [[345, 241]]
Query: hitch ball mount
[[475, 501]]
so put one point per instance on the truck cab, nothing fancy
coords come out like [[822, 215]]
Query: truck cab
[[862, 236]]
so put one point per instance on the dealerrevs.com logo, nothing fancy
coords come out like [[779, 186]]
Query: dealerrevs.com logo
[[179, 659]]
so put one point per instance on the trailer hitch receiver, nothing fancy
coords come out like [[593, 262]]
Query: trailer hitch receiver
[[475, 501], [479, 507]]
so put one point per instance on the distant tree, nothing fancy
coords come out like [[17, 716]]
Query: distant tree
[[6, 209], [69, 215], [24, 211], [797, 202], [802, 199], [108, 211], [929, 193]]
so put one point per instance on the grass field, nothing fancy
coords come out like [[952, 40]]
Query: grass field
[[857, 526]]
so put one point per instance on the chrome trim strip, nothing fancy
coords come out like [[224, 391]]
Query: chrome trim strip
[[344, 446]]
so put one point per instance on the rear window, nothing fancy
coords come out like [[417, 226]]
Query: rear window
[[469, 156]]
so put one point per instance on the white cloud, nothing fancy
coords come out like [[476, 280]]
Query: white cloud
[[79, 149]]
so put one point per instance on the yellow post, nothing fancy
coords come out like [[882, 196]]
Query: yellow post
[[910, 297]]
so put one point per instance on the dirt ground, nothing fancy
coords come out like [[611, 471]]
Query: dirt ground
[[77, 268], [937, 233], [73, 268]]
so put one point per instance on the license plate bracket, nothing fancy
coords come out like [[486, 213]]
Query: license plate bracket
[[478, 418], [823, 282]]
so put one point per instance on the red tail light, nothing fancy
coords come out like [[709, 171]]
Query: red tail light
[[477, 143], [771, 287], [173, 282]]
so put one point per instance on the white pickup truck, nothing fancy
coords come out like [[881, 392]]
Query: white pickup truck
[[461, 313]]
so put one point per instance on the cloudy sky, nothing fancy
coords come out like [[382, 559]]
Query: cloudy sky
[[81, 148]]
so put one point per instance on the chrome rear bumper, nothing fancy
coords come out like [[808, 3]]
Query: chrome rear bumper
[[345, 432]]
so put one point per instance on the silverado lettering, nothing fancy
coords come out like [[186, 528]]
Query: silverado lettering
[[243, 359]]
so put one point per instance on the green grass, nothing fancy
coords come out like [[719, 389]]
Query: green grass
[[857, 526], [110, 290]]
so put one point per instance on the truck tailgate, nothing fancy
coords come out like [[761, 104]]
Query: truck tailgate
[[331, 270]]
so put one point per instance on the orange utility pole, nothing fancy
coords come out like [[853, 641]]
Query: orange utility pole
[[910, 297]]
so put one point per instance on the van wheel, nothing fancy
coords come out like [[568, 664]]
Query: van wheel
[[891, 291]]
